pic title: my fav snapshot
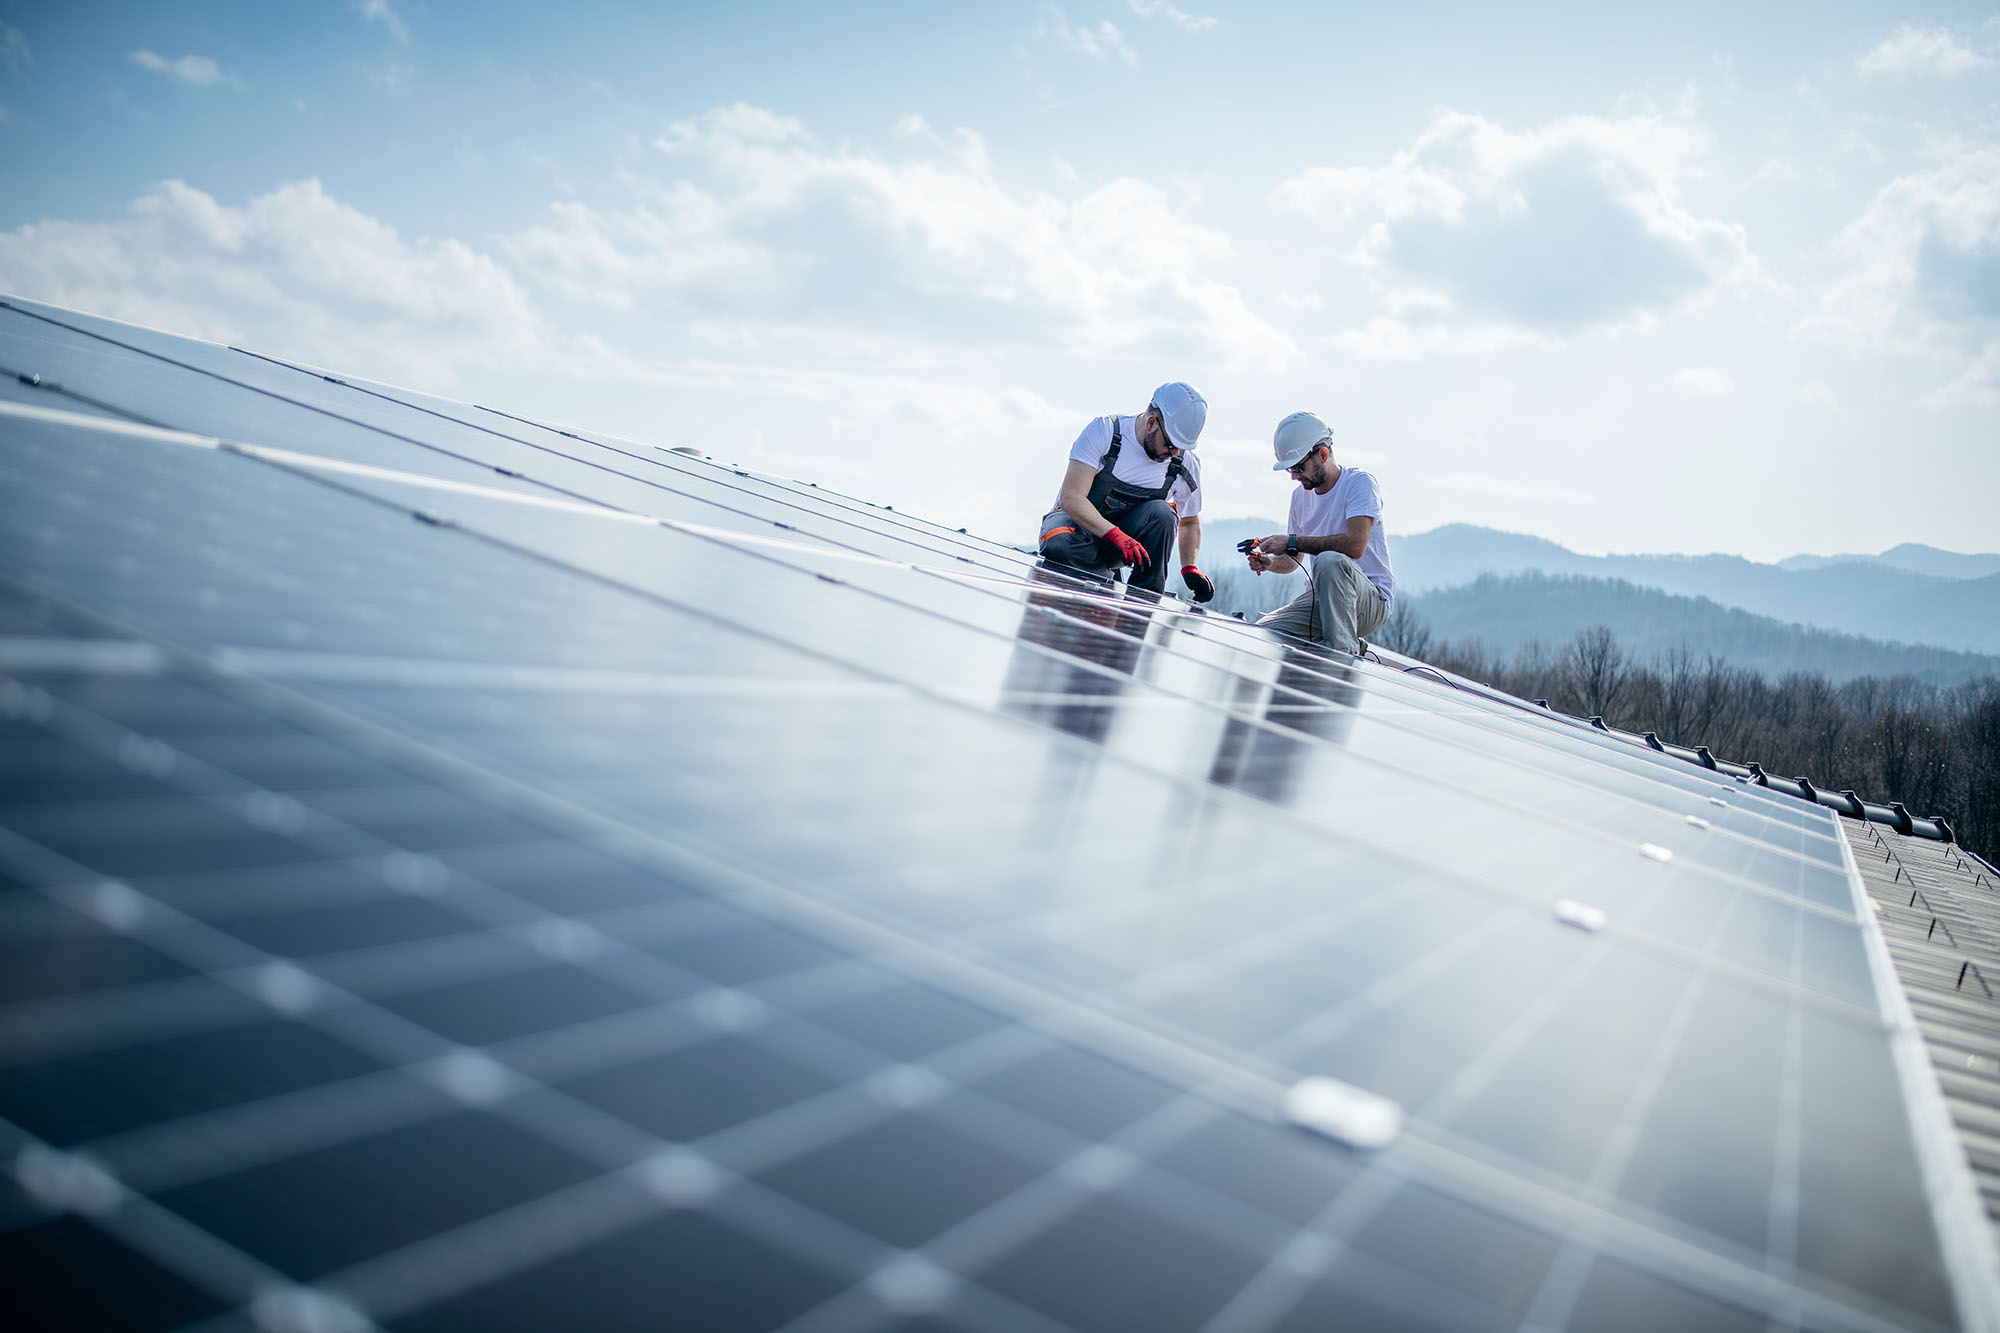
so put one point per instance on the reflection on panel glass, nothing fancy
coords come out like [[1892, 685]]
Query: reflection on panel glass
[[1058, 686]]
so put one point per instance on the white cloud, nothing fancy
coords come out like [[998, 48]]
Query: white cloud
[[197, 70], [294, 272], [393, 78], [859, 419], [1477, 236], [1914, 50], [1103, 42], [1777, 171], [14, 54], [964, 409], [733, 126], [914, 126], [1160, 9], [1922, 273], [1509, 490], [1818, 394], [762, 233], [1977, 385], [298, 274], [378, 11], [1854, 143], [1702, 382]]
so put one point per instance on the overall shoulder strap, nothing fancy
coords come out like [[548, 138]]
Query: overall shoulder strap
[[1111, 454]]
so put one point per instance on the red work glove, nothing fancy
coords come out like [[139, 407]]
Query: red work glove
[[1129, 550], [1197, 583]]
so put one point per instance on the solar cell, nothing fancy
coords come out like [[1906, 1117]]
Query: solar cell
[[439, 897]]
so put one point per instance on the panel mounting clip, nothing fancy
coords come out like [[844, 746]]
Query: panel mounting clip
[[1342, 1112]]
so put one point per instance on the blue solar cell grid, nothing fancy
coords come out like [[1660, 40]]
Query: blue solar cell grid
[[457, 872]]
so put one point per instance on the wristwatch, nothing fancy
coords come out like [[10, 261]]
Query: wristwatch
[[1291, 543]]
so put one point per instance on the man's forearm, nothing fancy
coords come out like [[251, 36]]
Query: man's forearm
[[1190, 541], [1085, 513], [1346, 543]]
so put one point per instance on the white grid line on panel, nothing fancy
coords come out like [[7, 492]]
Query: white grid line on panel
[[1261, 1095]]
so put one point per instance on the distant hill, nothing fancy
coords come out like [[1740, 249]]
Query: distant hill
[[1892, 597], [1913, 556], [1460, 552], [1505, 613]]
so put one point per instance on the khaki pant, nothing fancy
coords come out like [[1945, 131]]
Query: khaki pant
[[1340, 608]]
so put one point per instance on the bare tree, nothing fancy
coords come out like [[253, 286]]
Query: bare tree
[[1407, 633], [1977, 802], [1676, 670], [1897, 738], [1817, 721], [1594, 667]]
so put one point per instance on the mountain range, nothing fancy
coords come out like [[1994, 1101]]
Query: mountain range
[[1907, 594], [1913, 556], [1468, 582], [1504, 613]]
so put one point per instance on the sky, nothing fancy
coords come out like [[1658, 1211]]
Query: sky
[[1690, 278]]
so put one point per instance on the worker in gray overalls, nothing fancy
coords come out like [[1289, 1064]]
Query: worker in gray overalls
[[1131, 491]]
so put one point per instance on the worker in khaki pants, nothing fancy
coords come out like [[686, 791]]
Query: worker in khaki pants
[[1334, 533]]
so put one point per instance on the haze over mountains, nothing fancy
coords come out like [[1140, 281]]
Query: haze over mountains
[[1904, 595], [1504, 613], [1913, 556], [1912, 610]]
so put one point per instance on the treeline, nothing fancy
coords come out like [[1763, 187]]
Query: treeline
[[1935, 748]]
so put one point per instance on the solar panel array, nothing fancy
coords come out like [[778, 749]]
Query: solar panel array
[[456, 872]]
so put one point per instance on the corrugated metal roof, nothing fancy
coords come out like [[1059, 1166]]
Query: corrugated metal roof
[[1939, 909]]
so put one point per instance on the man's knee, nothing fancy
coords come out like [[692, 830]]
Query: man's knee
[[1297, 616], [1152, 525], [1154, 516], [1371, 613], [1334, 565], [1065, 541]]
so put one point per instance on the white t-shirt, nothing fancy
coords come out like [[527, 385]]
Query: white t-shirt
[[1134, 467], [1316, 515]]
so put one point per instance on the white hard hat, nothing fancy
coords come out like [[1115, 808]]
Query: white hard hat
[[1183, 411], [1298, 435]]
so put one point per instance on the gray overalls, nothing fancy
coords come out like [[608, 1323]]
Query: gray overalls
[[1143, 513]]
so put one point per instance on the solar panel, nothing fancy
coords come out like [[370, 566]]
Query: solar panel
[[458, 871]]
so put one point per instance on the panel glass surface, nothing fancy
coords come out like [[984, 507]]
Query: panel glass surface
[[435, 908]]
